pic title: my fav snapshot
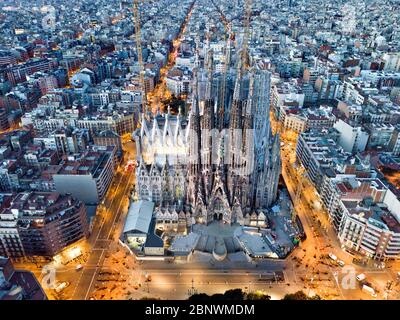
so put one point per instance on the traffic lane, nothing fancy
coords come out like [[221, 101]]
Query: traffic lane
[[83, 282], [208, 279], [112, 210], [92, 284], [302, 205], [268, 265], [105, 233], [86, 284], [314, 246], [103, 214], [120, 221], [88, 273], [300, 212], [94, 257], [101, 244], [205, 272], [309, 193], [183, 290], [117, 220]]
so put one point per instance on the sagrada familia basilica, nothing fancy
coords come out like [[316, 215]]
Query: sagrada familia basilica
[[221, 161]]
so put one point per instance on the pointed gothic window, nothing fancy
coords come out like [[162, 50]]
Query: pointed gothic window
[[218, 205]]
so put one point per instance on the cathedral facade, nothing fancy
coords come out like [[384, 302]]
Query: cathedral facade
[[221, 162]]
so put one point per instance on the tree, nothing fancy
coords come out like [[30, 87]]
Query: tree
[[258, 296], [300, 295], [199, 296], [232, 295]]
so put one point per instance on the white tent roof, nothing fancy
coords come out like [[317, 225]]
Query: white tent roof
[[139, 216]]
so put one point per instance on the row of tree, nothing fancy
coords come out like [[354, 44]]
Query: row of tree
[[239, 294]]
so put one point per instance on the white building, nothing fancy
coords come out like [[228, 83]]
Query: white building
[[285, 92], [392, 61], [85, 76], [394, 144], [178, 81], [352, 139], [370, 230]]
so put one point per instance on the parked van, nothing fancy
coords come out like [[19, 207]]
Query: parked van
[[369, 290]]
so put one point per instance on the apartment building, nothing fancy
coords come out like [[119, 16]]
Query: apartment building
[[41, 224], [370, 229], [319, 153], [88, 175], [299, 120]]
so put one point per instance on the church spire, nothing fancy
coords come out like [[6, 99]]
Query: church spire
[[193, 138], [248, 123], [210, 61]]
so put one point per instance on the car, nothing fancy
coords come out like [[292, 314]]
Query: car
[[78, 267], [332, 256], [147, 277], [361, 277], [341, 263], [61, 286]]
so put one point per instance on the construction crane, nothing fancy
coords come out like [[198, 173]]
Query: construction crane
[[207, 46], [138, 40], [243, 59], [245, 50]]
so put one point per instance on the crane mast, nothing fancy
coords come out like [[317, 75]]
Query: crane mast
[[138, 40], [245, 47], [243, 61]]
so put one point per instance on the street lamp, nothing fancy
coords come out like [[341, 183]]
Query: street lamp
[[309, 288], [192, 290]]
